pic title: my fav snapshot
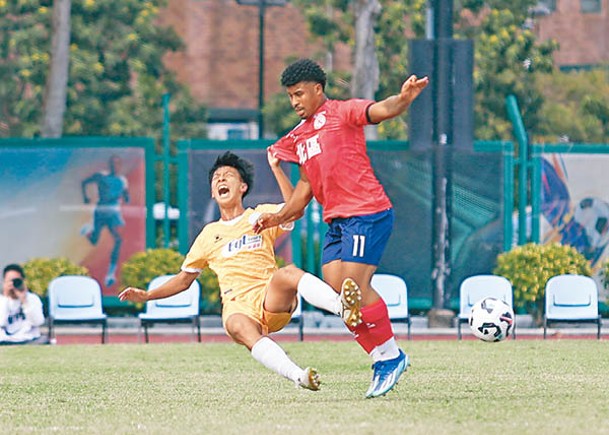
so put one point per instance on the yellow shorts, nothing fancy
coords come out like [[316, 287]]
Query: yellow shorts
[[251, 303]]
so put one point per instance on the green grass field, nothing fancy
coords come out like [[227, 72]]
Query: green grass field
[[526, 386]]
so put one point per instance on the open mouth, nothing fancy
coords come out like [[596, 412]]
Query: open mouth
[[223, 191]]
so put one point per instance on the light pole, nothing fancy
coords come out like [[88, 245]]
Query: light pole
[[443, 142], [262, 5]]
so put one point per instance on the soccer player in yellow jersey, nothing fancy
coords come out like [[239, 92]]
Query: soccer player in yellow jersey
[[257, 297]]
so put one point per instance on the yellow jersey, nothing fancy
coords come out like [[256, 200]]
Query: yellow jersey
[[242, 259]]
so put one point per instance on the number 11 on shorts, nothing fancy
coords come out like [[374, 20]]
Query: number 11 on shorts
[[359, 244]]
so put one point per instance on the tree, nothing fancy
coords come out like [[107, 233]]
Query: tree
[[332, 22], [366, 70], [23, 64], [508, 58], [116, 78], [576, 107], [54, 102]]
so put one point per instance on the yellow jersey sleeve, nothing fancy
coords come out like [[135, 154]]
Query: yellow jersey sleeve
[[197, 258]]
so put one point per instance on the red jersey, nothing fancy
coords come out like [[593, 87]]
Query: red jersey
[[331, 148]]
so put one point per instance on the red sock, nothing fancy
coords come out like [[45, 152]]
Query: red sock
[[362, 336], [375, 328]]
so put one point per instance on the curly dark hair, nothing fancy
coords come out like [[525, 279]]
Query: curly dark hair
[[243, 166], [303, 70]]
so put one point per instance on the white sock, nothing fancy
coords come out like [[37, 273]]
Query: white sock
[[273, 357], [387, 350], [319, 294]]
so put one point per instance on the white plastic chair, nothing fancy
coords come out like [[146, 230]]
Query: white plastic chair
[[75, 299], [571, 299], [179, 308], [394, 292], [477, 287]]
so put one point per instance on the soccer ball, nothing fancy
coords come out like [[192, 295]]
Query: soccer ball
[[491, 319]]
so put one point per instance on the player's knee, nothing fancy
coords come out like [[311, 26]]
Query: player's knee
[[239, 328], [290, 275]]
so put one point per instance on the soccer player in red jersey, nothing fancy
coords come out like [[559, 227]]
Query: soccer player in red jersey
[[330, 147]]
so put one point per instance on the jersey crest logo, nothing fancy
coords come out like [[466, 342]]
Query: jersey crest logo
[[319, 121], [243, 243]]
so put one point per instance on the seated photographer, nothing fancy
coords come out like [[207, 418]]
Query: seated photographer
[[20, 310]]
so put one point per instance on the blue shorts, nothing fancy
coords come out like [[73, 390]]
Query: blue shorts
[[358, 239]]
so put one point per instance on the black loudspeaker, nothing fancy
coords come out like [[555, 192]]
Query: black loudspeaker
[[421, 114]]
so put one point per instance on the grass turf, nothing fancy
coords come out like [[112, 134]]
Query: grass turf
[[557, 386]]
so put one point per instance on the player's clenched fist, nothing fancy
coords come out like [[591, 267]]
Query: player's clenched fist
[[266, 220]]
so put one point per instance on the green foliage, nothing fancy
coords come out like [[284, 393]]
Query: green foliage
[[604, 273], [142, 267], [576, 107], [41, 271], [530, 266], [116, 78], [331, 22], [278, 114], [329, 19], [210, 289], [508, 58]]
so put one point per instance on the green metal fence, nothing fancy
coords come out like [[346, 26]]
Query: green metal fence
[[483, 195], [483, 200]]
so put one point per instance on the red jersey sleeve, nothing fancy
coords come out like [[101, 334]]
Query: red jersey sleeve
[[355, 111]]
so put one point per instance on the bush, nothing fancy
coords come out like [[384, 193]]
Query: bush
[[210, 292], [530, 266], [142, 267], [41, 271]]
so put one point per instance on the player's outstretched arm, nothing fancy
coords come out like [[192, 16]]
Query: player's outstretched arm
[[133, 294], [397, 104], [175, 285], [292, 210], [285, 186]]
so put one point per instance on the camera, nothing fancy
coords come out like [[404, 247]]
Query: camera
[[18, 283]]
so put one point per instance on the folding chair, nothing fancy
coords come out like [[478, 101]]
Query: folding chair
[[571, 299], [75, 299], [394, 292], [477, 287], [179, 308]]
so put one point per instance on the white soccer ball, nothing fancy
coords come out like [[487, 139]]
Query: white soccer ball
[[593, 215], [491, 319]]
